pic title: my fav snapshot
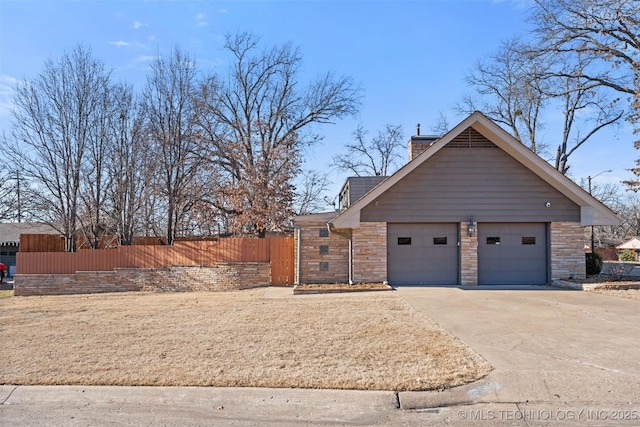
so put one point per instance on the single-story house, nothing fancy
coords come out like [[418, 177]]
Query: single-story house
[[632, 244], [10, 239], [472, 207]]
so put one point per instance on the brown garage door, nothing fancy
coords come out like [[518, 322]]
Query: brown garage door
[[512, 254], [422, 254]]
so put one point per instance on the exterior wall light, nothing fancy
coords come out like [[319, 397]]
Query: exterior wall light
[[471, 227]]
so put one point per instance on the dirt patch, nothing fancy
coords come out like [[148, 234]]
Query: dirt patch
[[372, 341]]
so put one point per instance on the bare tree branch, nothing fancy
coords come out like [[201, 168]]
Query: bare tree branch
[[376, 157]]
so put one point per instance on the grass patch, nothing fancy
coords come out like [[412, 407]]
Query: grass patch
[[372, 341], [6, 294]]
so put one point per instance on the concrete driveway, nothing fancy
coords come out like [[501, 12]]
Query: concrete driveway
[[547, 345]]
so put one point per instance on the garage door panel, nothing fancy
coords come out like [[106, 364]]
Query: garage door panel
[[512, 253], [421, 253]]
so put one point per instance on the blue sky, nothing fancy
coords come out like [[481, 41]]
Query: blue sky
[[410, 57]]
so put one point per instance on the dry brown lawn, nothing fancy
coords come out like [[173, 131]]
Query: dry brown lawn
[[622, 293], [373, 341]]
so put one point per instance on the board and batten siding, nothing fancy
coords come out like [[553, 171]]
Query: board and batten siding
[[481, 180]]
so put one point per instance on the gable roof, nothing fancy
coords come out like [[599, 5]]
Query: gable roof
[[592, 212], [10, 232], [631, 244]]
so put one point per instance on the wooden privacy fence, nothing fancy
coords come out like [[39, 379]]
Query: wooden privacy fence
[[56, 243], [277, 251]]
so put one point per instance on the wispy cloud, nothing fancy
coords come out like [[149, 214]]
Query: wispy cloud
[[201, 20], [137, 25], [518, 3], [120, 43], [7, 81], [7, 86], [146, 58], [126, 44], [223, 11]]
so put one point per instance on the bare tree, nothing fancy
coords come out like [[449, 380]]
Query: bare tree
[[521, 84], [255, 123], [56, 117], [442, 125], [375, 157], [311, 192], [170, 113], [629, 211], [10, 197], [613, 197], [585, 106], [93, 177], [510, 91], [607, 31], [128, 164]]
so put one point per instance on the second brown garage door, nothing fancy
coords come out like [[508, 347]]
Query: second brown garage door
[[512, 254]]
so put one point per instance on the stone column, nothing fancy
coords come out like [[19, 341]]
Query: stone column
[[567, 251], [370, 252], [468, 257]]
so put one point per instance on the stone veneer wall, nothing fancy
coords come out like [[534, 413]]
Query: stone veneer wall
[[468, 257], [370, 252], [567, 251], [221, 277], [336, 260]]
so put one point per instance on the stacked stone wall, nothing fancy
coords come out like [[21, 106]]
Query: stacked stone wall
[[221, 277]]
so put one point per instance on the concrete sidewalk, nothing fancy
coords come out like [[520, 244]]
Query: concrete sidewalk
[[178, 406], [43, 406]]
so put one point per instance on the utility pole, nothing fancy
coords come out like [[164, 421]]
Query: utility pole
[[18, 194], [589, 178]]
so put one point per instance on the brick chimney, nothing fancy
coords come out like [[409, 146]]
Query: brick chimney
[[418, 143]]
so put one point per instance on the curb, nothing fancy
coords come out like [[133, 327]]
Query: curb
[[467, 394]]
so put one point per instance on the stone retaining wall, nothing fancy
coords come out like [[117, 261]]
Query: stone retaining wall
[[221, 277]]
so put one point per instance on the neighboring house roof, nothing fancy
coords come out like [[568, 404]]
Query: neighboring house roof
[[10, 232], [322, 216], [592, 212], [631, 244], [355, 187]]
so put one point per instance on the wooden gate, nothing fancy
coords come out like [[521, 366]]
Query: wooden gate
[[282, 261]]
